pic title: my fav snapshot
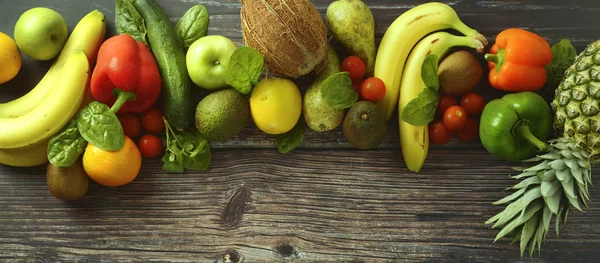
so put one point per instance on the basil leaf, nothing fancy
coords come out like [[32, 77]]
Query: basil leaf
[[421, 110], [172, 163], [192, 25], [563, 56], [288, 141], [66, 146], [337, 91], [100, 126], [429, 72], [244, 69], [129, 21]]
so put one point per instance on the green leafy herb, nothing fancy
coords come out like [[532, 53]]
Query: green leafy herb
[[421, 110], [185, 150], [101, 127], [337, 91], [288, 141], [192, 25], [563, 56], [129, 21], [244, 69], [66, 146]]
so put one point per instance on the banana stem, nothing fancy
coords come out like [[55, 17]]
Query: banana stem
[[122, 98]]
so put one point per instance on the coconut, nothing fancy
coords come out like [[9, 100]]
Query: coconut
[[290, 35]]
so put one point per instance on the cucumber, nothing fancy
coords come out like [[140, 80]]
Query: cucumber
[[168, 51]]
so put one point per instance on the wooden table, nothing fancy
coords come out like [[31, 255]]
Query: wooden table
[[323, 202]]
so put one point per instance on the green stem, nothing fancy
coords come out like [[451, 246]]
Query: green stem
[[122, 98], [523, 131], [497, 59]]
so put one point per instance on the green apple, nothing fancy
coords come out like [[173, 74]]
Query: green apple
[[207, 60], [40, 33]]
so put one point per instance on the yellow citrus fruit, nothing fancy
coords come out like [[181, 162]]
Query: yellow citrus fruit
[[112, 168], [10, 58], [275, 105]]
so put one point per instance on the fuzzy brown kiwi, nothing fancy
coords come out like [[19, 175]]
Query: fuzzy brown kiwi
[[459, 73], [291, 35]]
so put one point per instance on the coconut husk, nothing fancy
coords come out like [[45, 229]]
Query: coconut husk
[[291, 35]]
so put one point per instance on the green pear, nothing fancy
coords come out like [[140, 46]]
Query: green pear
[[351, 23], [318, 115]]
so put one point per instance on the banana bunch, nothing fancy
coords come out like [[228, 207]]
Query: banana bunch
[[405, 44], [29, 121]]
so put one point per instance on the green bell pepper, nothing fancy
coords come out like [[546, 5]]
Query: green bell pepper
[[515, 126]]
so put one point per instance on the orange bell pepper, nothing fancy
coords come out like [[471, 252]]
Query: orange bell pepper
[[517, 61]]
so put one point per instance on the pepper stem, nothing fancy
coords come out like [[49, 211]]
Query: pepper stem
[[523, 131], [497, 59], [122, 98]]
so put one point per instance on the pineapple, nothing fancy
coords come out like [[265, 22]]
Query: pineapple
[[562, 175]]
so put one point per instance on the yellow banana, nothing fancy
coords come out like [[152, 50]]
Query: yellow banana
[[401, 36], [52, 113], [33, 155], [414, 140], [87, 35]]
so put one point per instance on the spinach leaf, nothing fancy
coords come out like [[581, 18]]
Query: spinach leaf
[[66, 146], [421, 110], [337, 91], [563, 56], [129, 21], [100, 126], [288, 141], [185, 150], [192, 25], [244, 69], [429, 72]]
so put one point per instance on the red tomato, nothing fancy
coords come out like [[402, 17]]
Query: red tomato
[[372, 89], [355, 67], [150, 146], [473, 103], [438, 133], [455, 118], [131, 125], [470, 131], [152, 120], [445, 102]]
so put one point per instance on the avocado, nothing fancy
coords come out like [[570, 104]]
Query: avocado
[[318, 115], [67, 183], [222, 114], [365, 125]]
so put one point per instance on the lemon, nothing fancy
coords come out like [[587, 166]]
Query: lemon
[[10, 58], [275, 105]]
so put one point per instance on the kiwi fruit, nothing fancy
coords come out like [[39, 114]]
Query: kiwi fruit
[[67, 183], [459, 72]]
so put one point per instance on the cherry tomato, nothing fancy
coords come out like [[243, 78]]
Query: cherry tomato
[[372, 89], [152, 120], [438, 133], [131, 124], [469, 132], [150, 146], [455, 118], [473, 103], [355, 67], [445, 102]]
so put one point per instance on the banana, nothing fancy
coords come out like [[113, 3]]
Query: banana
[[414, 140], [52, 113], [87, 35], [33, 155], [402, 35]]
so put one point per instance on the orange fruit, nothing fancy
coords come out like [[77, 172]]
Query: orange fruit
[[10, 58], [112, 168]]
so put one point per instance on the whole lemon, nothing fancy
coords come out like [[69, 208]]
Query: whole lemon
[[275, 105], [10, 58]]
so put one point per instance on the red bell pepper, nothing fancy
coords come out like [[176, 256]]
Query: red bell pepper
[[517, 61], [126, 75]]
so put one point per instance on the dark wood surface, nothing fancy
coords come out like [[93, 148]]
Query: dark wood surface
[[324, 202]]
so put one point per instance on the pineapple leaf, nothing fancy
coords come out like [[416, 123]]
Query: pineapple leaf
[[548, 176], [528, 231], [553, 202], [541, 166], [558, 164], [571, 163], [520, 205], [552, 155], [549, 188], [562, 175], [546, 218], [567, 153], [527, 182], [577, 174], [525, 215], [511, 197], [524, 174], [540, 235]]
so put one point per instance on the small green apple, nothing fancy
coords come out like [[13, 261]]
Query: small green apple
[[207, 60], [41, 33]]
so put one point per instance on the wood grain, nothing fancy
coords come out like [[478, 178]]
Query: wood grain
[[324, 202]]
